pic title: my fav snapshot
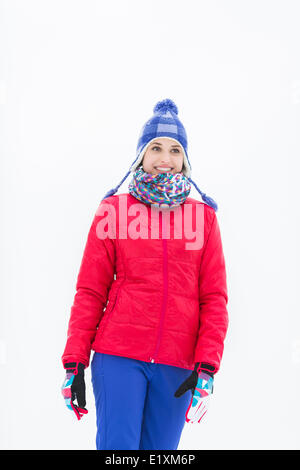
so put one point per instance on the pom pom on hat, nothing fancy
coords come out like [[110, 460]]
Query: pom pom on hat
[[165, 105]]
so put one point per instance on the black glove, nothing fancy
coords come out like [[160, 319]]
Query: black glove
[[191, 382], [73, 388]]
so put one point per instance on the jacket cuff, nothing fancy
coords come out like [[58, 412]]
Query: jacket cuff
[[205, 367], [74, 367], [74, 359]]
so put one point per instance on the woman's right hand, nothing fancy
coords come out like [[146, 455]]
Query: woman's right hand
[[73, 388]]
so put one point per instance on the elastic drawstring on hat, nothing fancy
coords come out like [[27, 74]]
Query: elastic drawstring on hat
[[112, 191], [205, 198]]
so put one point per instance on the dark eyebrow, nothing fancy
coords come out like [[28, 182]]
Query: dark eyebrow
[[157, 143]]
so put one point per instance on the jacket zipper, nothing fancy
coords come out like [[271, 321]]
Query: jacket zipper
[[165, 287]]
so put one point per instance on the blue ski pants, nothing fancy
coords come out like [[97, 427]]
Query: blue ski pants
[[135, 404]]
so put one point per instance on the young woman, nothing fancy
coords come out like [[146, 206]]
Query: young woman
[[151, 299]]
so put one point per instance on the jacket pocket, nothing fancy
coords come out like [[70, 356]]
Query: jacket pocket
[[112, 303], [110, 308]]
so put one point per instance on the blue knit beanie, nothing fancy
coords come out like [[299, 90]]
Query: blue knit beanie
[[163, 123]]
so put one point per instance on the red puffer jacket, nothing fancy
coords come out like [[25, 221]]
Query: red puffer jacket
[[151, 290]]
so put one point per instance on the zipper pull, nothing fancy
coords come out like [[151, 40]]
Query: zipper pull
[[152, 360]]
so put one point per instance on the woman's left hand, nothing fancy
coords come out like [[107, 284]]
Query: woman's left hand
[[201, 386], [200, 400]]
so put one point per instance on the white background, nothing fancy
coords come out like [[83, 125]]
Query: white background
[[78, 80]]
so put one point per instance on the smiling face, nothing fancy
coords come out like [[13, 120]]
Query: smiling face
[[162, 155]]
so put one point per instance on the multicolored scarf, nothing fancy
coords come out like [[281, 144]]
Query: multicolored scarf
[[163, 188]]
